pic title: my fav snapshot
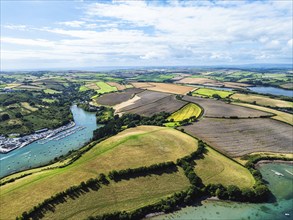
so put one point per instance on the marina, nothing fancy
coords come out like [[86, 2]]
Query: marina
[[10, 144]]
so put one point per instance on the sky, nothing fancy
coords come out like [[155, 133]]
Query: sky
[[41, 34]]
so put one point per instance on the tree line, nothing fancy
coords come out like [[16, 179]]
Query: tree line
[[160, 168]]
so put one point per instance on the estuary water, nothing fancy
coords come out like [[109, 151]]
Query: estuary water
[[281, 209], [40, 153], [271, 90]]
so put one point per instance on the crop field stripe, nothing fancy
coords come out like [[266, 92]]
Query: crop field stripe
[[187, 111]]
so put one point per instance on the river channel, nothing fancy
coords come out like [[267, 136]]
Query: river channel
[[40, 153]]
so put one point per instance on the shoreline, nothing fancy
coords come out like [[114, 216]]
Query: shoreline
[[261, 162]]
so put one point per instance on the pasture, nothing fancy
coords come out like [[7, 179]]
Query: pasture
[[164, 87], [262, 100], [105, 88], [237, 137], [220, 109], [211, 92], [135, 147], [125, 195], [216, 168], [186, 112], [51, 91]]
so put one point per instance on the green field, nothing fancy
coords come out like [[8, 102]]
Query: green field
[[49, 100], [51, 91], [216, 168], [104, 88], [126, 195], [186, 112], [135, 147], [83, 89], [211, 92]]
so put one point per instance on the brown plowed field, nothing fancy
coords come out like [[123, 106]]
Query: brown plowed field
[[164, 87], [238, 137], [148, 103], [117, 97], [219, 109], [144, 98]]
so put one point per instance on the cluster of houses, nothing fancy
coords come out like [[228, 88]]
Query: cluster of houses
[[8, 144]]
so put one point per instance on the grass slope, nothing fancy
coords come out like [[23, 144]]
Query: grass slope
[[186, 112], [104, 87], [216, 168], [211, 92], [125, 195], [135, 147]]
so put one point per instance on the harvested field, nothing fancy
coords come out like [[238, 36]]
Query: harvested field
[[235, 85], [238, 137], [281, 116], [202, 81], [262, 100], [117, 85], [134, 147], [118, 97], [92, 86], [149, 103], [219, 109], [186, 112], [142, 85], [215, 168], [164, 87], [287, 86], [212, 82], [29, 87]]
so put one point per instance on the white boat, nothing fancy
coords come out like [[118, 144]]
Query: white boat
[[288, 172], [277, 173]]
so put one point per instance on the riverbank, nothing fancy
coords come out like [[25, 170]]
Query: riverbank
[[40, 153]]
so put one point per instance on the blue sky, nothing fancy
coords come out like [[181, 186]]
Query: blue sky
[[70, 34]]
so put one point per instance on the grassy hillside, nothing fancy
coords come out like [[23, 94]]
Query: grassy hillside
[[186, 112], [126, 195], [216, 168], [211, 92], [135, 147]]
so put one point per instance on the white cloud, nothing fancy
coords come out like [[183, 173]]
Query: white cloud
[[74, 24], [179, 32]]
